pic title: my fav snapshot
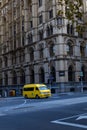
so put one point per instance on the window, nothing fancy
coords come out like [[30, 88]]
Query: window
[[21, 56], [6, 79], [40, 3], [50, 14], [71, 73], [31, 54], [32, 74], [14, 58], [0, 63], [41, 75], [51, 50], [29, 89], [41, 52], [70, 48], [49, 30], [40, 34], [82, 50], [31, 24], [40, 19], [37, 88], [22, 77], [23, 40], [70, 29], [14, 78], [80, 34], [14, 29], [5, 61], [15, 42], [30, 38]]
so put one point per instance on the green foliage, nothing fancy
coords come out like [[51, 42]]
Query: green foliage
[[73, 12], [74, 9]]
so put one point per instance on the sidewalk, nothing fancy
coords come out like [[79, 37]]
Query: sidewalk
[[53, 95], [69, 94]]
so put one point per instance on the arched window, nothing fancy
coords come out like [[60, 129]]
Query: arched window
[[6, 79], [31, 51], [14, 78], [0, 63], [4, 49], [0, 78], [41, 75], [51, 49], [41, 51], [48, 31], [5, 61], [51, 29], [30, 38], [71, 73], [32, 78], [70, 48], [70, 29], [82, 50], [21, 56], [13, 58], [53, 74], [22, 77], [83, 73], [40, 34]]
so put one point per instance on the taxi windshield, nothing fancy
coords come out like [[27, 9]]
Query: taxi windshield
[[43, 88]]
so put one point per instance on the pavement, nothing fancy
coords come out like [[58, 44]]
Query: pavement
[[53, 95]]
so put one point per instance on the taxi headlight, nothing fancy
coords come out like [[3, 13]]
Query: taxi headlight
[[42, 92]]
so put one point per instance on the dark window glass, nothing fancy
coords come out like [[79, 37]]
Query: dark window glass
[[37, 88], [40, 19], [40, 3], [29, 89], [51, 14]]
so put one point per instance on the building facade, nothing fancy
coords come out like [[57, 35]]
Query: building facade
[[38, 47]]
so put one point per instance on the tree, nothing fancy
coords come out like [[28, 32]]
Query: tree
[[74, 12]]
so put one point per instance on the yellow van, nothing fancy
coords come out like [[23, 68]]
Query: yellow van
[[36, 91]]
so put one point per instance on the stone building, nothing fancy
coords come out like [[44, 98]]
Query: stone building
[[38, 47]]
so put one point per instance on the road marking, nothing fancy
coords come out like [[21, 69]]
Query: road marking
[[81, 117], [1, 114], [66, 118], [16, 107], [69, 124]]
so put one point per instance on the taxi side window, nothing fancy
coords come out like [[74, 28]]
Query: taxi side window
[[37, 88]]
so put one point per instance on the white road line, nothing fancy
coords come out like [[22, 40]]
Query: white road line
[[81, 117], [72, 116], [15, 107], [70, 124], [1, 114], [61, 121], [21, 104]]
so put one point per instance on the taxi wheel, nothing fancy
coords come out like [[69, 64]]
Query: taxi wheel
[[37, 97], [26, 96]]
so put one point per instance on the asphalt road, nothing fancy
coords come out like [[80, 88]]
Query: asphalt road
[[51, 114]]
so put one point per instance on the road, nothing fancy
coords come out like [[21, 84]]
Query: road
[[62, 112]]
